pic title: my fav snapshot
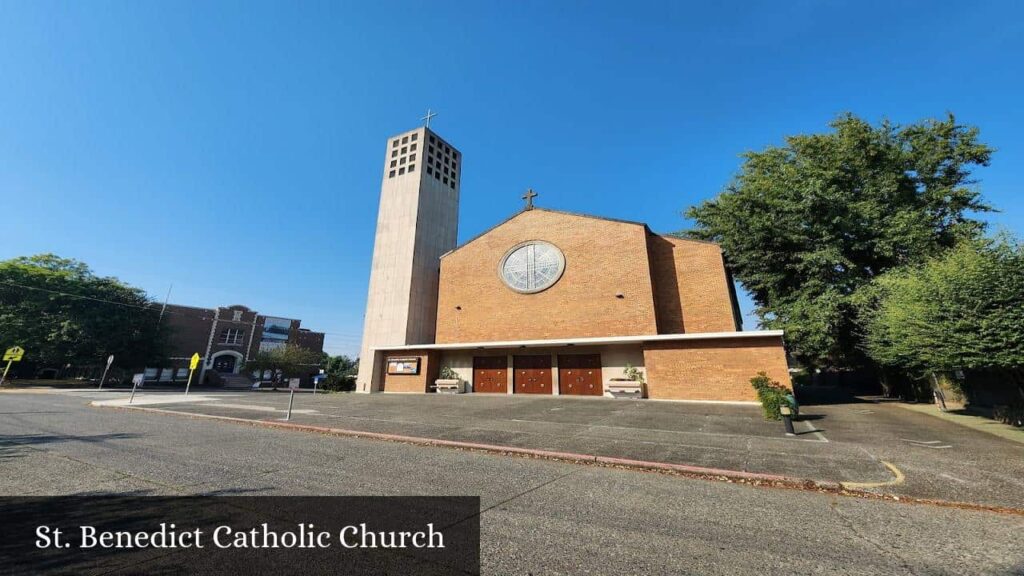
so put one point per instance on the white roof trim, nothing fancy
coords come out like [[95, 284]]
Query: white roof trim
[[585, 341]]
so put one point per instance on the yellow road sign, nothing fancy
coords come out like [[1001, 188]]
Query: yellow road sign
[[14, 354], [195, 362]]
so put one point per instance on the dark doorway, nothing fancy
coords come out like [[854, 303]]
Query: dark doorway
[[224, 364]]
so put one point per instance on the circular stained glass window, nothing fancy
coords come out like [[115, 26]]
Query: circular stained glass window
[[532, 266]]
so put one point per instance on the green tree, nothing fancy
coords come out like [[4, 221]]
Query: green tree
[[62, 313], [962, 310], [339, 366], [807, 224], [341, 372], [285, 362]]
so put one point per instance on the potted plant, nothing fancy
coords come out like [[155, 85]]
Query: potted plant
[[449, 382]]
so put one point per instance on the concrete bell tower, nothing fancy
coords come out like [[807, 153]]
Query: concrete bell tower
[[417, 222]]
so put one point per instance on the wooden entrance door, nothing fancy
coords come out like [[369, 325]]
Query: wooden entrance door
[[580, 375], [532, 374], [490, 374]]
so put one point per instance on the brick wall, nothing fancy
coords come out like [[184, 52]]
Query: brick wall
[[429, 368], [718, 369], [691, 288], [602, 258]]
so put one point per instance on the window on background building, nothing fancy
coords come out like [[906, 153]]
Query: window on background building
[[182, 374], [150, 373], [412, 147], [236, 315], [414, 136], [394, 144], [405, 140], [412, 167], [167, 374], [391, 174], [275, 333], [401, 171], [231, 336]]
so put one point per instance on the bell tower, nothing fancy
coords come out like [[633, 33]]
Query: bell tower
[[417, 222]]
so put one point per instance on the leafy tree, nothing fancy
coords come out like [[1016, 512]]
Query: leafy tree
[[963, 310], [339, 366], [284, 362], [62, 313], [807, 224], [341, 372]]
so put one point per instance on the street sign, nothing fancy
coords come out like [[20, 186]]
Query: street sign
[[110, 360], [136, 380], [192, 365], [293, 383], [14, 354]]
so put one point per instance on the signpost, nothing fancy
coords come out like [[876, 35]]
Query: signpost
[[13, 354], [192, 365], [110, 360], [136, 380], [293, 385]]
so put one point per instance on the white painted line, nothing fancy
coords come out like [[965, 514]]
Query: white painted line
[[817, 433]]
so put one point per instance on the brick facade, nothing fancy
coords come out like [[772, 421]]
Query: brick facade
[[202, 331], [604, 258], [716, 369], [692, 290], [621, 283], [429, 370]]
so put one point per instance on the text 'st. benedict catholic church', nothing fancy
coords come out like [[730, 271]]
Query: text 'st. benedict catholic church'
[[546, 302]]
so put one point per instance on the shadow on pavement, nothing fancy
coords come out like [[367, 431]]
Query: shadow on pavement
[[826, 395]]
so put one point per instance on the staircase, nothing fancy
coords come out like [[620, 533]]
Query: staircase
[[236, 381]]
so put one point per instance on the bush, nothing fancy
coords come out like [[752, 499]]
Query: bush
[[335, 383], [771, 394]]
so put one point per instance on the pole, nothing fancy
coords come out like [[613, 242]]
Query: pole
[[164, 307], [189, 383], [4, 377], [314, 386], [291, 399], [135, 384], [104, 377]]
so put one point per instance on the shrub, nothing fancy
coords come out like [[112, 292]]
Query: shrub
[[771, 394], [336, 383], [448, 374]]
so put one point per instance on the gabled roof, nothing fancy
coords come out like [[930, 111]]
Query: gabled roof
[[510, 218]]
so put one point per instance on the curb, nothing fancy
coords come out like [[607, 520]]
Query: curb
[[685, 470]]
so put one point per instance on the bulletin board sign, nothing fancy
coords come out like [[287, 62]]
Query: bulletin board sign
[[403, 366]]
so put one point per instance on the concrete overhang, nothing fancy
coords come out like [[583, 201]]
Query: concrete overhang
[[585, 341]]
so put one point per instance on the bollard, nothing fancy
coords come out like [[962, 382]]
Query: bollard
[[787, 419], [291, 398]]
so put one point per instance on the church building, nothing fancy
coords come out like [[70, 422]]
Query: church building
[[546, 302]]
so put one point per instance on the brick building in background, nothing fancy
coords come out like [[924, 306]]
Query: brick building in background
[[225, 338], [548, 302]]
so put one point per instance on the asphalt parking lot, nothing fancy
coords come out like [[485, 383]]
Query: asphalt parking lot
[[537, 516], [874, 446]]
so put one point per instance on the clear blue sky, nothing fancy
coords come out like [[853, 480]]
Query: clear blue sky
[[235, 149]]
